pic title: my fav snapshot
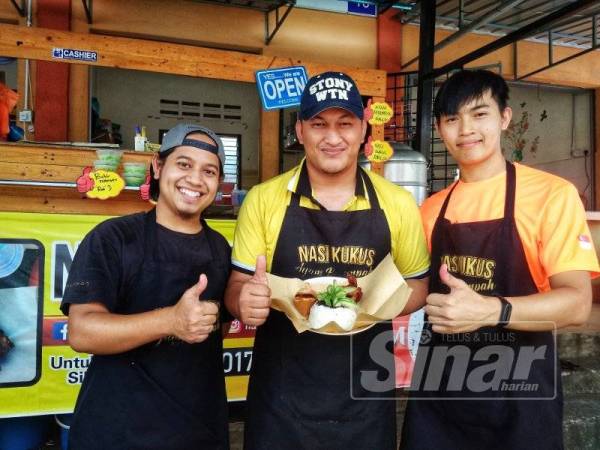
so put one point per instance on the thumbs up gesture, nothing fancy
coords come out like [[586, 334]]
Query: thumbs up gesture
[[255, 296], [193, 319], [463, 309], [84, 182]]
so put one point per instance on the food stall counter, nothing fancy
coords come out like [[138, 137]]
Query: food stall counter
[[43, 218]]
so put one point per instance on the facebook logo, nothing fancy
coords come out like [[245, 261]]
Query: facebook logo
[[60, 331]]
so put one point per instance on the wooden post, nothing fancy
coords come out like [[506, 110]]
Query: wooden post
[[596, 150], [79, 84], [79, 105], [268, 153], [377, 133]]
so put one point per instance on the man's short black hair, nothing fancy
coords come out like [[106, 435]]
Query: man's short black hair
[[154, 186], [465, 86]]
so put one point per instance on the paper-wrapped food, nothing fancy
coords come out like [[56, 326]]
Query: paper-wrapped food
[[321, 315], [334, 305], [336, 302]]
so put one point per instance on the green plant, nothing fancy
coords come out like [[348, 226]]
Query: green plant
[[515, 135], [335, 296]]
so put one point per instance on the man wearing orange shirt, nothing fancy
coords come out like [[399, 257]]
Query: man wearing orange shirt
[[511, 262]]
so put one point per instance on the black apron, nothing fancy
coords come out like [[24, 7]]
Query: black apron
[[489, 256], [168, 394], [301, 385]]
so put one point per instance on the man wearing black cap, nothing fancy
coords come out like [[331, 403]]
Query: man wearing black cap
[[143, 297], [306, 390]]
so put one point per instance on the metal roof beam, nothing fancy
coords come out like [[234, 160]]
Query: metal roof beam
[[482, 8], [520, 11], [573, 22], [577, 29], [262, 6], [87, 6], [483, 20], [20, 8], [542, 35], [573, 26], [426, 83], [456, 8], [564, 60], [536, 37], [534, 27], [278, 22], [416, 11]]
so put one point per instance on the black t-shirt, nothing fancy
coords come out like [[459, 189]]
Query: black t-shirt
[[110, 257], [168, 393]]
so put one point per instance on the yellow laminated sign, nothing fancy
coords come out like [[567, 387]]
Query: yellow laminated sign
[[41, 374]]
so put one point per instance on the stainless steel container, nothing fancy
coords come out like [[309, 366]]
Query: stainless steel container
[[406, 168]]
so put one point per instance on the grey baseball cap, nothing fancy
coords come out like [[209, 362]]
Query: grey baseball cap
[[177, 136]]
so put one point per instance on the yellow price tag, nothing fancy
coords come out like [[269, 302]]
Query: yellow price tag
[[106, 184], [378, 151], [381, 113]]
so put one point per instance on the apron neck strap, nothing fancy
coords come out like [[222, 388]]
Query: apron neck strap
[[511, 183], [442, 213], [364, 178], [373, 200], [509, 201]]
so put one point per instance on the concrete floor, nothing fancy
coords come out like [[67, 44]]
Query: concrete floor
[[591, 326]]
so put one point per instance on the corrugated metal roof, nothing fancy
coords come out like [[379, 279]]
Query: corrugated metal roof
[[500, 17], [261, 5]]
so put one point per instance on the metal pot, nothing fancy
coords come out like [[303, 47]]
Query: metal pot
[[406, 168]]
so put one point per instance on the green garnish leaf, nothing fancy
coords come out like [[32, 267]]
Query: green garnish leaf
[[335, 296]]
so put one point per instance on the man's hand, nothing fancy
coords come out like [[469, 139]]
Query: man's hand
[[462, 310], [255, 296], [193, 319]]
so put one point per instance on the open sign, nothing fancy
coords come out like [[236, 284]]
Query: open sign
[[281, 88]]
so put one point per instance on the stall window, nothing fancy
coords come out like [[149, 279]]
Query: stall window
[[232, 167]]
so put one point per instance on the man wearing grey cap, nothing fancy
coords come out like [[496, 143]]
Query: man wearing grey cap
[[143, 297]]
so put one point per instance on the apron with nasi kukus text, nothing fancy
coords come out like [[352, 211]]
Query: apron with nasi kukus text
[[306, 390], [500, 388]]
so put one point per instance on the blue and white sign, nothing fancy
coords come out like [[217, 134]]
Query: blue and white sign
[[362, 9], [60, 330], [281, 88], [367, 9], [76, 55]]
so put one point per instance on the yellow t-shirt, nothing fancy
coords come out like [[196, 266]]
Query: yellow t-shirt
[[549, 216], [261, 217]]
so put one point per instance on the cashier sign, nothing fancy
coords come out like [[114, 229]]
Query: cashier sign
[[77, 55]]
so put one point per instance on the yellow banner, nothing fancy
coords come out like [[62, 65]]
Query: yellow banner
[[39, 372]]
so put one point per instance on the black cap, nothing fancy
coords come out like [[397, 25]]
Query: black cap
[[330, 90]]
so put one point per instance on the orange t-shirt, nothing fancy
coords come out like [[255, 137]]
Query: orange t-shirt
[[549, 215]]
